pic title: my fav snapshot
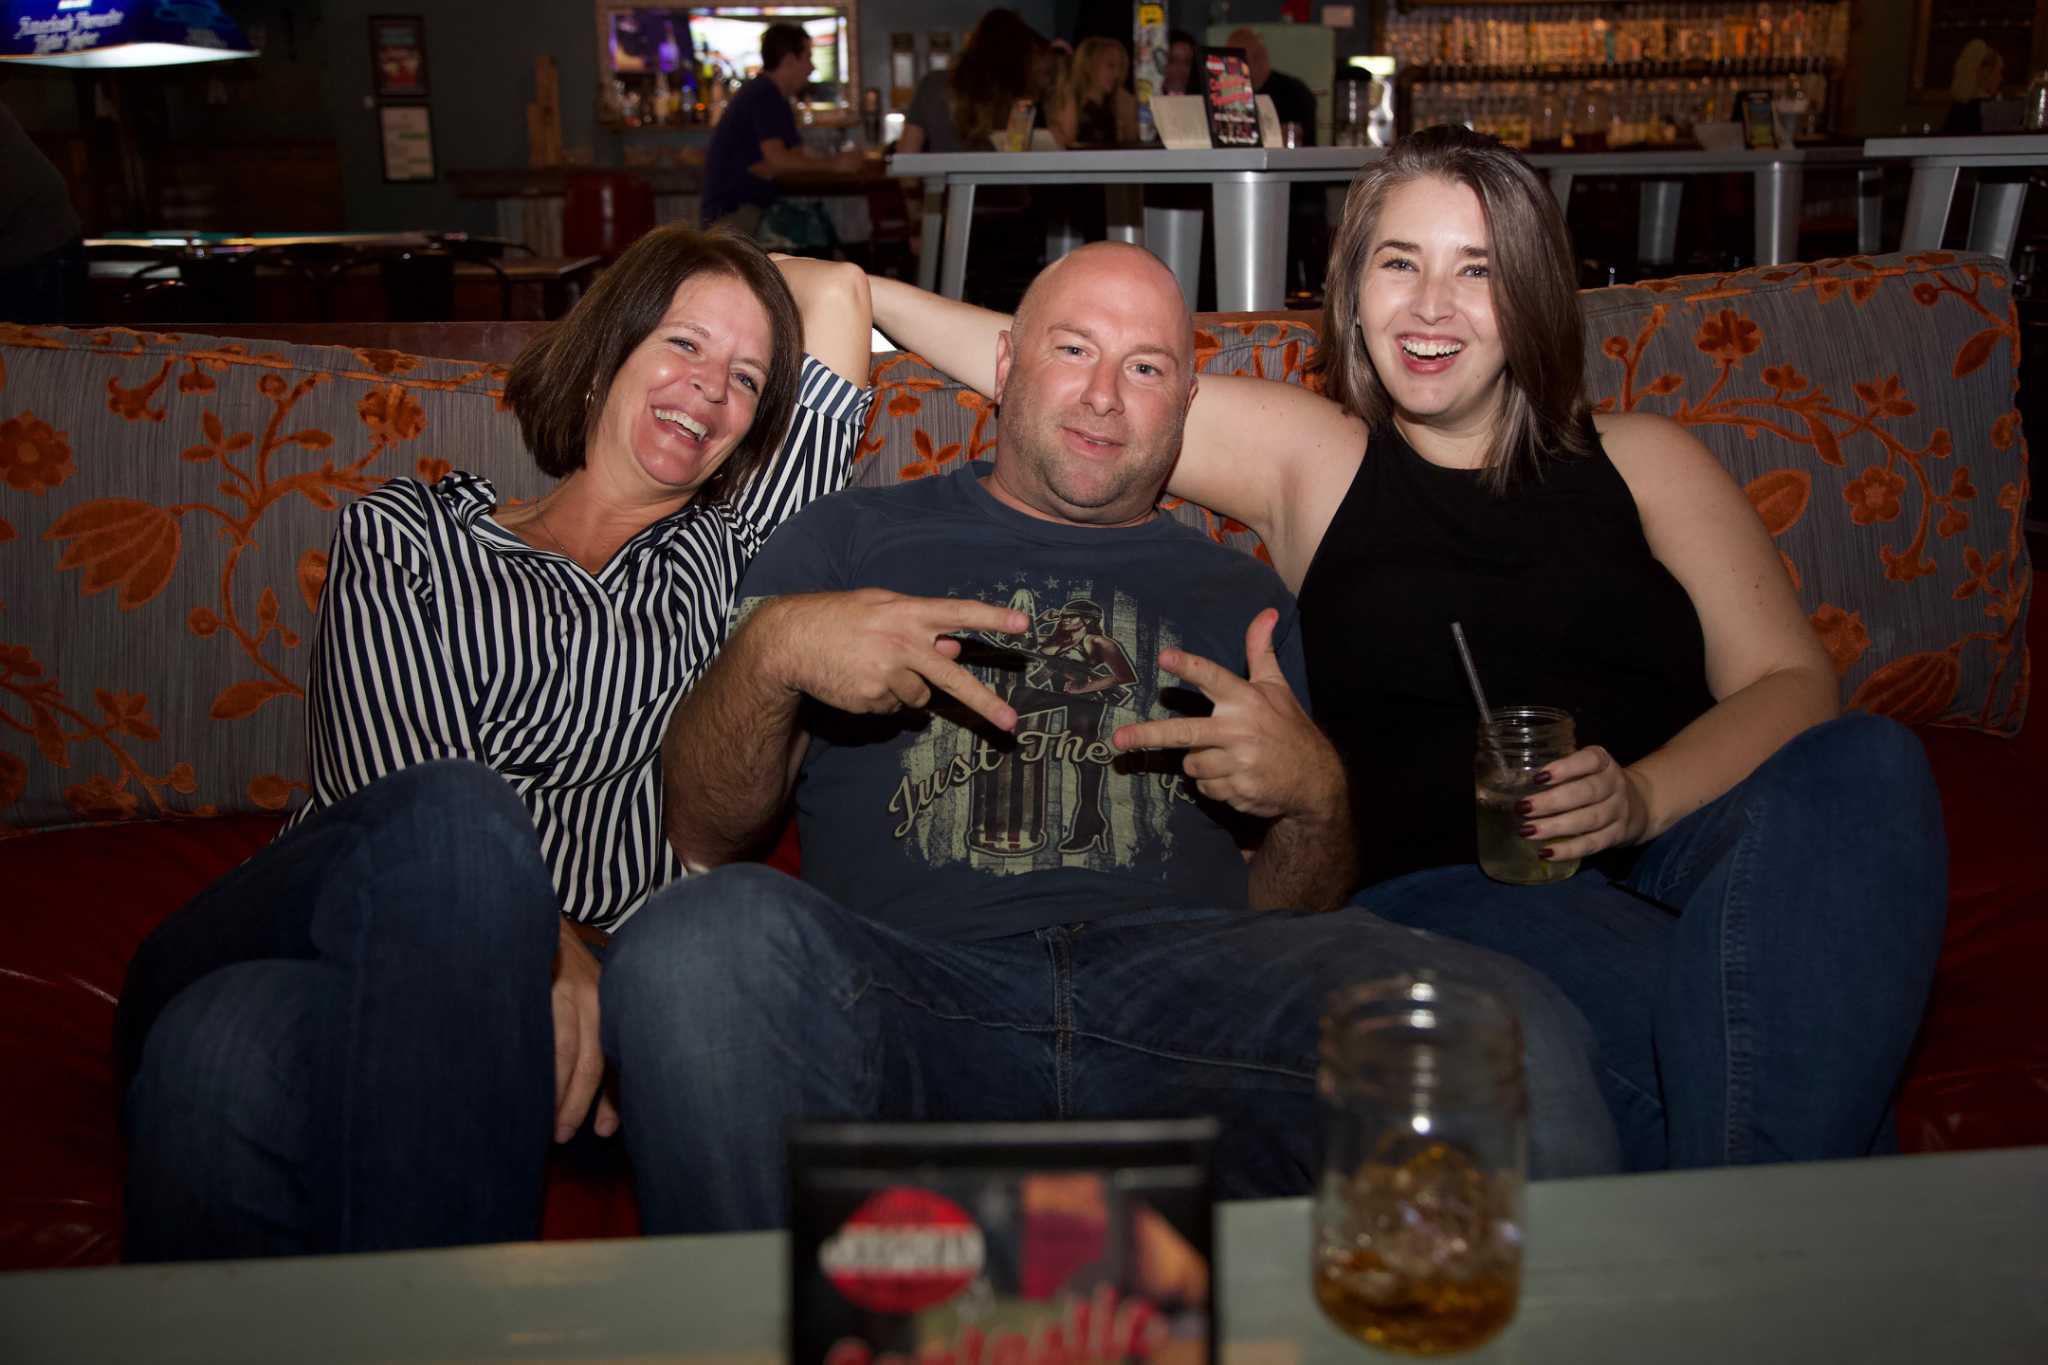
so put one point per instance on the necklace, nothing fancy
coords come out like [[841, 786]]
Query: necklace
[[540, 519]]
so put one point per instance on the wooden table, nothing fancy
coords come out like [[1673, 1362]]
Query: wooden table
[[1916, 1260], [1938, 161]]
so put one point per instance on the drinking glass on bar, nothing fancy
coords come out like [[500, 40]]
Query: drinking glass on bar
[[1423, 1119]]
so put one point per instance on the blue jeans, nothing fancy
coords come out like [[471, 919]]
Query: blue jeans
[[742, 999], [346, 1044], [1757, 980]]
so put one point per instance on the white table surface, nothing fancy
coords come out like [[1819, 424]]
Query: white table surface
[[1134, 165], [1247, 185], [1921, 1259], [2004, 149], [1938, 163]]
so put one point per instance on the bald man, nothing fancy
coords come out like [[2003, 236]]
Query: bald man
[[1071, 843], [1292, 100]]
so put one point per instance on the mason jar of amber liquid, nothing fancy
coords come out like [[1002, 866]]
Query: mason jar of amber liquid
[[1515, 743], [1423, 1123]]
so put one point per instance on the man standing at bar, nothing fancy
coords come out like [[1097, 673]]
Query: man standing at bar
[[1292, 100], [757, 143], [955, 950]]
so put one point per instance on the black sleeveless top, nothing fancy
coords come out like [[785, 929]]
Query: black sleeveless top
[[1562, 604]]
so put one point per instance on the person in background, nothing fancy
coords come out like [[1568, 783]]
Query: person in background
[[1094, 106], [42, 264], [1292, 100], [364, 1037], [1180, 64], [757, 143], [961, 108], [1979, 71]]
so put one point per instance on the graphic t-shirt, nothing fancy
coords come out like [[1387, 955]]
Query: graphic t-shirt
[[937, 823]]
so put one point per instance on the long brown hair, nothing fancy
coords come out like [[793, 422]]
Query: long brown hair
[[560, 382], [993, 72], [1535, 298]]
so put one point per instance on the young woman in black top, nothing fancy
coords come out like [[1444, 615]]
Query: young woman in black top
[[1755, 933]]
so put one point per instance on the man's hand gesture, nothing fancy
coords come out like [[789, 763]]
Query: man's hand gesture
[[1257, 751], [873, 651]]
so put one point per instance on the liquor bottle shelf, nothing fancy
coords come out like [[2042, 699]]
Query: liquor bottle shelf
[[1524, 71]]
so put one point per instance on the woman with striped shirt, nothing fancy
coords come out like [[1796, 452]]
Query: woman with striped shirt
[[363, 1038]]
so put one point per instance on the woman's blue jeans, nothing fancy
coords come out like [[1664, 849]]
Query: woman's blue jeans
[[346, 1044], [1757, 981]]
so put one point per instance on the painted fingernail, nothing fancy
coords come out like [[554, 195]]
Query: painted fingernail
[[1542, 779], [1545, 853], [1527, 830], [1524, 807]]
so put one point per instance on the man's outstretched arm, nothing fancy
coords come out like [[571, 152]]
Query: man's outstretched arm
[[730, 756]]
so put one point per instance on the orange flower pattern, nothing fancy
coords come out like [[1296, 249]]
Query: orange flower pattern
[[1872, 423], [1892, 477], [392, 414], [1874, 496], [1843, 634], [261, 437], [119, 540], [34, 456], [102, 798]]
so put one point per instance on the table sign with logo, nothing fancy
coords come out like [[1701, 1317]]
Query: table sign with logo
[[1002, 1243], [1228, 96]]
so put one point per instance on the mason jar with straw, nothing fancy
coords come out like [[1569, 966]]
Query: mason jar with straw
[[1515, 744]]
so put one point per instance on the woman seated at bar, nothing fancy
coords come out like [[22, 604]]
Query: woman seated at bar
[[365, 1037], [1093, 106], [1754, 929], [963, 107], [1979, 71]]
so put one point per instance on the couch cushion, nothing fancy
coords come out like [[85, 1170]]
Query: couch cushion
[[173, 496], [1893, 476]]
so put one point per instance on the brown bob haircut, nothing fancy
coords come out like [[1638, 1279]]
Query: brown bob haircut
[[1535, 297], [560, 382]]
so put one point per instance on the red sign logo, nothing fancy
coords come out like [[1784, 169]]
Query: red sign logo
[[903, 1250]]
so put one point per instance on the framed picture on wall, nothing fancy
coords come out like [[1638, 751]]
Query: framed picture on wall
[[406, 132], [398, 56]]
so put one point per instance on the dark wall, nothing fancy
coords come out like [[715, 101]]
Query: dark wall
[[480, 78]]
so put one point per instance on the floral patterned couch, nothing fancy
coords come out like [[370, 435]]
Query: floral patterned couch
[[165, 506]]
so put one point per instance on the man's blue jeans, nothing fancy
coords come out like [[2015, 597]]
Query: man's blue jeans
[[1757, 981], [742, 999], [346, 1044]]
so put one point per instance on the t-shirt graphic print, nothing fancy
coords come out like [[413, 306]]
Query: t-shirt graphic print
[[1056, 792], [936, 822]]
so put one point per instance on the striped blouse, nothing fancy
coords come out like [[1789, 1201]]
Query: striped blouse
[[444, 635]]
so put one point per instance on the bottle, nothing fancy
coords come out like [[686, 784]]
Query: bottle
[[2037, 102]]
